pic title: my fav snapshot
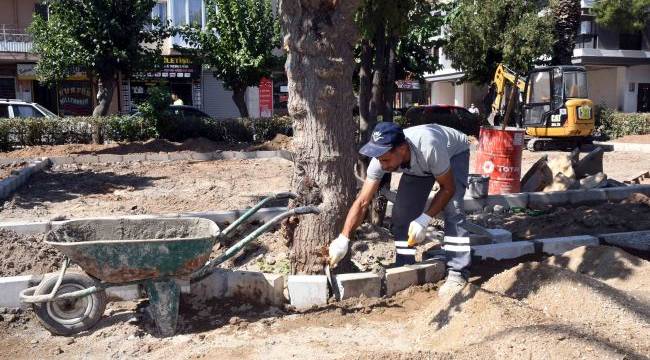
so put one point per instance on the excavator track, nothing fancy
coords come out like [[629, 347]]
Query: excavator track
[[555, 144]]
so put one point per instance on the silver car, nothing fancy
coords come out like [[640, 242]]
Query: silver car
[[14, 108]]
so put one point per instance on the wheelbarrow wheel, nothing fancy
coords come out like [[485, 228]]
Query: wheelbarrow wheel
[[70, 316]]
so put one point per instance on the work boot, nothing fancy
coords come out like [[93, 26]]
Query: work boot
[[453, 285]]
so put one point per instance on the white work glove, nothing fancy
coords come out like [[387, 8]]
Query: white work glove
[[338, 249], [417, 229]]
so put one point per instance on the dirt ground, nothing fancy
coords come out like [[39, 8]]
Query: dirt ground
[[590, 303], [7, 169], [632, 214], [634, 139], [70, 191], [154, 145]]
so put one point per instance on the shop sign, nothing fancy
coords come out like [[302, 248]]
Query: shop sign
[[266, 97], [408, 84], [175, 67], [75, 98]]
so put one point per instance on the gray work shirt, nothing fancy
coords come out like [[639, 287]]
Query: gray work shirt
[[431, 147]]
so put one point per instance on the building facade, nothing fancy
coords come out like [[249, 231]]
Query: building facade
[[74, 96], [618, 69]]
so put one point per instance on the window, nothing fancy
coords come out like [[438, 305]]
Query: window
[[4, 111], [630, 41], [7, 88], [575, 84], [159, 11], [42, 10], [186, 12], [26, 111], [539, 90]]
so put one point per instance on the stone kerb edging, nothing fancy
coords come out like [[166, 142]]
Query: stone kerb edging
[[220, 217], [11, 183], [306, 291], [541, 199], [162, 156]]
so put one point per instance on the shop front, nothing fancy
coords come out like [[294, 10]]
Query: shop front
[[181, 75], [72, 97]]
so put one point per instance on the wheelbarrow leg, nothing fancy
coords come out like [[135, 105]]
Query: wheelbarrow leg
[[163, 305]]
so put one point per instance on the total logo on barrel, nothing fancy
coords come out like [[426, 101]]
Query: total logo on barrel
[[499, 157]]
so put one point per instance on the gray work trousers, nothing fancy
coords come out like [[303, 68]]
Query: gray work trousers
[[412, 195]]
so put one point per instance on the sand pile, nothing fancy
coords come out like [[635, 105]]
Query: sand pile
[[583, 308], [26, 254]]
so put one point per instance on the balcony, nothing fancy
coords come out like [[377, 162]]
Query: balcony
[[14, 40]]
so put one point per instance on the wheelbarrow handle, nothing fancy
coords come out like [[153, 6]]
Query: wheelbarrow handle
[[230, 252], [254, 209]]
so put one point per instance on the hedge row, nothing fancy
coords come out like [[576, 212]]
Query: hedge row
[[43, 131], [614, 124]]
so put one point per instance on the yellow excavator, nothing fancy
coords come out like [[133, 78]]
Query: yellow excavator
[[551, 103]]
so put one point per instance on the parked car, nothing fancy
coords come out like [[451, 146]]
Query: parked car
[[456, 117], [15, 108]]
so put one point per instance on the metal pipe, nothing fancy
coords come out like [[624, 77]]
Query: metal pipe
[[254, 209], [252, 236]]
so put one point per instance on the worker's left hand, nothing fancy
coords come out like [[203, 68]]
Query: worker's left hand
[[417, 229]]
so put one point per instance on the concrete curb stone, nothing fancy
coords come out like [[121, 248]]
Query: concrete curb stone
[[560, 245]]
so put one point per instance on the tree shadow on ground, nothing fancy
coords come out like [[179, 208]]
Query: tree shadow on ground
[[60, 186]]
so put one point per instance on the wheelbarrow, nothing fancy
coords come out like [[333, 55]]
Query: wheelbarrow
[[156, 253]]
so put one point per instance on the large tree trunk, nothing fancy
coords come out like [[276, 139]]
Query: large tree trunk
[[389, 85], [239, 97], [567, 22], [319, 39], [377, 100], [105, 86]]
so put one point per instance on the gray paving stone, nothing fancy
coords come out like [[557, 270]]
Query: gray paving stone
[[560, 245], [639, 240], [306, 291], [507, 250], [587, 197], [360, 284]]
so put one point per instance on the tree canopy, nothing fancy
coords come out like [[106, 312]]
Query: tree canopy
[[482, 34], [101, 37], [237, 43], [627, 16]]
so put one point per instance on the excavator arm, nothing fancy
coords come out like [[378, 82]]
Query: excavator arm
[[504, 78]]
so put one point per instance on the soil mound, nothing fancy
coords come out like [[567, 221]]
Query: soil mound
[[279, 142], [590, 302], [26, 254]]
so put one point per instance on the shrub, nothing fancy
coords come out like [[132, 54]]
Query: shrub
[[614, 124], [44, 131]]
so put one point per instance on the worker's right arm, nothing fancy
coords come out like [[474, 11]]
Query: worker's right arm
[[358, 209], [339, 247]]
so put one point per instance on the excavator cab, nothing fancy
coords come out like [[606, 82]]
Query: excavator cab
[[556, 103]]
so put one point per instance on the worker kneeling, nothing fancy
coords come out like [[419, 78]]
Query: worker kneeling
[[423, 154]]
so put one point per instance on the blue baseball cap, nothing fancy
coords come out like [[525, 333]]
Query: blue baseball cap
[[384, 137]]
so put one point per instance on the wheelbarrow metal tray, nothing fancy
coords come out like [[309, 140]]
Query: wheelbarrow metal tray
[[125, 250]]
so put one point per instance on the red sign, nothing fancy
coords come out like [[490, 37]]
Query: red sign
[[266, 97]]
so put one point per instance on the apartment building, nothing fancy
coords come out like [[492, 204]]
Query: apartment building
[[618, 69]]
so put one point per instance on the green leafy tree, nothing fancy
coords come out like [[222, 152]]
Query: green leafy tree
[[237, 43], [101, 37], [627, 16], [482, 34], [566, 14]]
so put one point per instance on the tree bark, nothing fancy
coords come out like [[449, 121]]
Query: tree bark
[[365, 91], [319, 38], [377, 100], [105, 87], [239, 97], [389, 85]]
